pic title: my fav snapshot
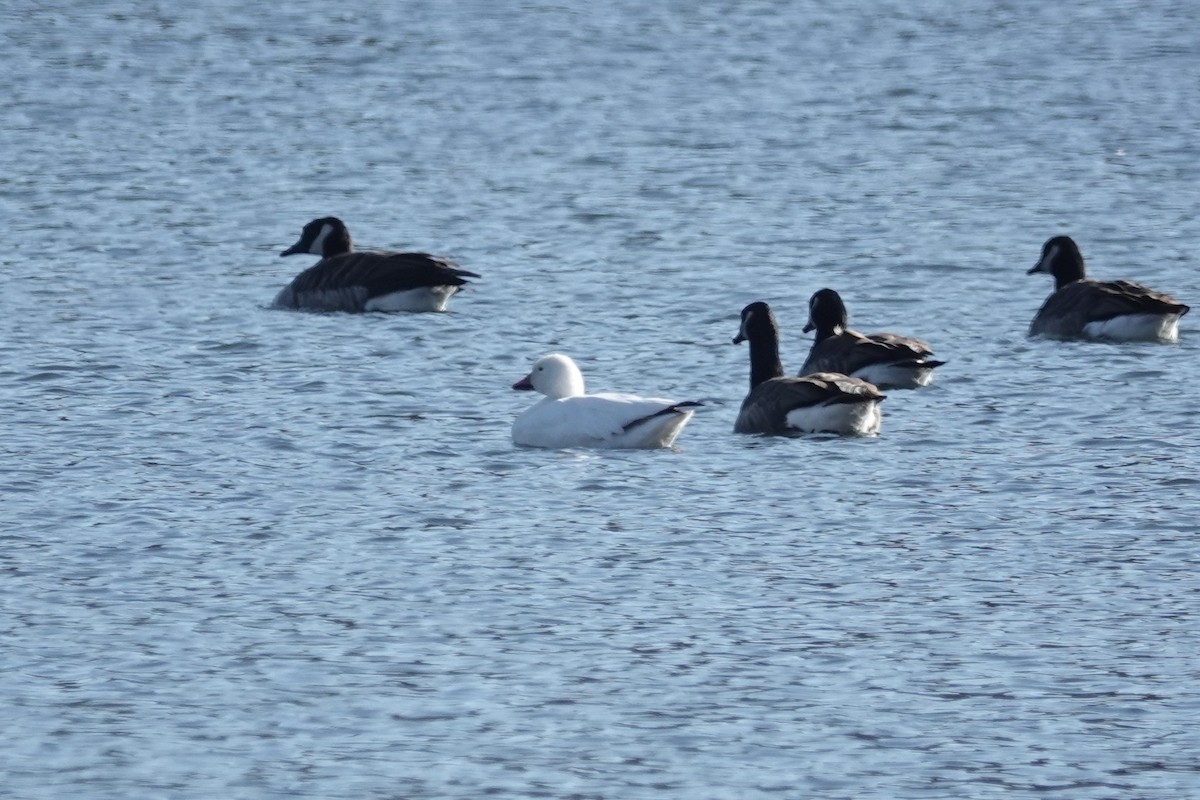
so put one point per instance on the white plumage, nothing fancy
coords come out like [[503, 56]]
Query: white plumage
[[1136, 328], [848, 419], [567, 417]]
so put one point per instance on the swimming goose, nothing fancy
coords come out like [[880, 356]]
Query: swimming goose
[[1081, 308], [824, 402], [888, 360], [345, 280], [566, 417]]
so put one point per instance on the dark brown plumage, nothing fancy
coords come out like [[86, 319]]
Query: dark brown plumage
[[824, 402], [1081, 308], [887, 360], [346, 280]]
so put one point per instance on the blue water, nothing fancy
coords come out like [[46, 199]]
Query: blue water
[[249, 553]]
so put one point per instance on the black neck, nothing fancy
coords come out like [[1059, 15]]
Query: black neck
[[1068, 272], [1067, 266], [827, 330], [764, 355], [336, 243], [826, 313]]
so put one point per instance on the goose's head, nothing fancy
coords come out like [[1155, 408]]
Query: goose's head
[[757, 320], [323, 237], [826, 313], [1062, 259], [555, 376]]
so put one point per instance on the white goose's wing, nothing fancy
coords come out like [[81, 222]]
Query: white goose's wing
[[598, 420]]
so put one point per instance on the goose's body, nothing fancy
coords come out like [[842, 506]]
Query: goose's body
[[347, 280], [1082, 308], [824, 402], [887, 360], [567, 417]]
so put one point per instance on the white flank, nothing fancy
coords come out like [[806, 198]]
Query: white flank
[[426, 298], [598, 420], [894, 376], [848, 419], [1136, 328], [656, 432]]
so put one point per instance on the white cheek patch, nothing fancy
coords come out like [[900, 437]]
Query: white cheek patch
[[1048, 259], [317, 248], [746, 324]]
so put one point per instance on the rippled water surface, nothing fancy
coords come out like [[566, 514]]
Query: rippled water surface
[[257, 554]]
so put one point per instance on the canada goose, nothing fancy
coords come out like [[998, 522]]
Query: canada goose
[[1081, 308], [567, 417], [824, 402], [888, 360], [345, 280]]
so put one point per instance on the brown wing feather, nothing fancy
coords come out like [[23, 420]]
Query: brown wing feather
[[850, 351], [1136, 298], [380, 273], [1068, 309], [905, 345]]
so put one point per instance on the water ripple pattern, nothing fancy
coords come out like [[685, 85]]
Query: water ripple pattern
[[250, 553]]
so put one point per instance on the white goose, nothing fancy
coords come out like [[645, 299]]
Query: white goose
[[566, 417]]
